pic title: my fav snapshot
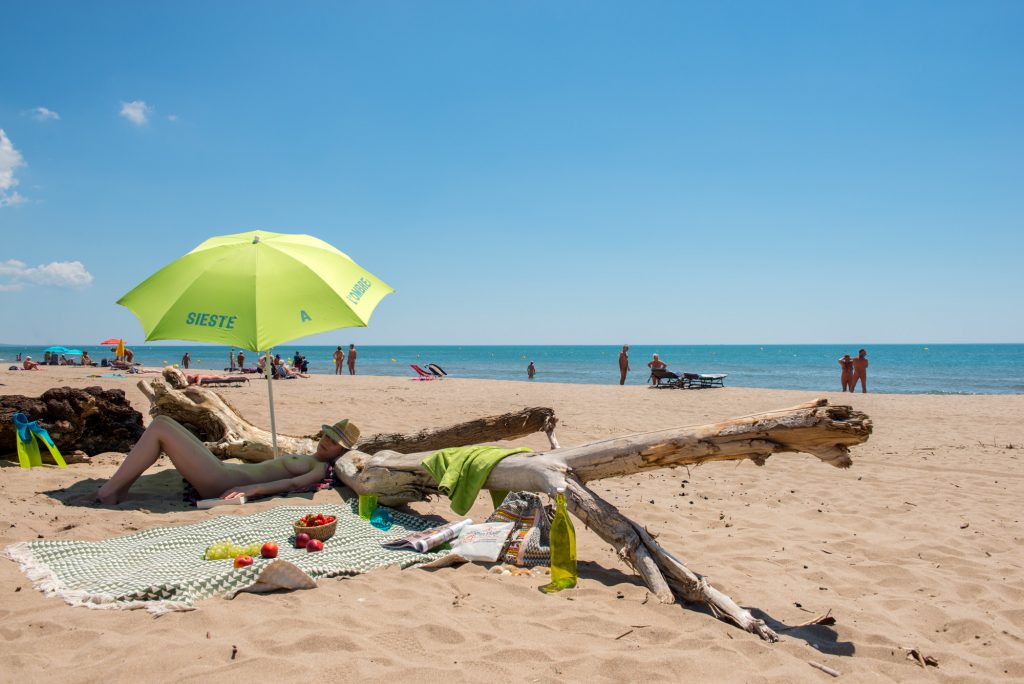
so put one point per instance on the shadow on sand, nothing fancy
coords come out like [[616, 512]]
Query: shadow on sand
[[156, 492]]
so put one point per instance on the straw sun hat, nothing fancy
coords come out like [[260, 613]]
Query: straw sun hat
[[343, 432]]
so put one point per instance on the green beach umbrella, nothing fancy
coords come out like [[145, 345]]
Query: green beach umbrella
[[256, 290]]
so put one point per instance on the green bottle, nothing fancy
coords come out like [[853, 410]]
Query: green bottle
[[563, 549]]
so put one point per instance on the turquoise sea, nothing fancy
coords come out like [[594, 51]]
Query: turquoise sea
[[895, 368]]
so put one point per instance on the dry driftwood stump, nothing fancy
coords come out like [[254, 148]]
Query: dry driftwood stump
[[389, 465]]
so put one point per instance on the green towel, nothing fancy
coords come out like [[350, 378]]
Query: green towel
[[461, 472]]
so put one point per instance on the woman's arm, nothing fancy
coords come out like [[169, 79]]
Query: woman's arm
[[290, 484]]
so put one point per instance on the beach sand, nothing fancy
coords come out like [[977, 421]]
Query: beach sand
[[920, 544]]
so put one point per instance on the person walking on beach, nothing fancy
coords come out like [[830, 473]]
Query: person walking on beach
[[185, 360], [623, 364], [231, 359], [656, 364], [846, 376], [351, 359], [860, 371], [531, 370], [339, 361], [241, 359]]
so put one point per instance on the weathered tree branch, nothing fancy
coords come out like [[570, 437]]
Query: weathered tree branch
[[228, 435], [815, 427], [378, 465]]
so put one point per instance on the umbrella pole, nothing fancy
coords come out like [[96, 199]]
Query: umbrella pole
[[270, 393]]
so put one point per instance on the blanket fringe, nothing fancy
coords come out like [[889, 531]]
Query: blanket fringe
[[46, 581]]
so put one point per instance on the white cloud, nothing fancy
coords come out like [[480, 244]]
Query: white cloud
[[18, 274], [44, 114], [136, 111], [10, 160], [12, 199], [172, 117]]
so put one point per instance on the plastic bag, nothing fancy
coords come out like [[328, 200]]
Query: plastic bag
[[482, 542]]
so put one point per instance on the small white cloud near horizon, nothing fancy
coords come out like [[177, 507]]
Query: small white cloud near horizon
[[15, 275], [136, 111], [10, 160], [44, 114], [172, 117]]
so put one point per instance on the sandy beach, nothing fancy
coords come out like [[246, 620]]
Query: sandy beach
[[919, 545]]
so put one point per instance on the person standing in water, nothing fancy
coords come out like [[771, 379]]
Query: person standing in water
[[860, 371], [846, 376], [531, 370], [339, 361], [623, 364], [185, 360], [351, 359]]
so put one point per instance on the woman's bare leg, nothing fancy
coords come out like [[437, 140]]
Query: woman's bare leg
[[189, 455]]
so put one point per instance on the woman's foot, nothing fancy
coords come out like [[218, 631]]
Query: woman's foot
[[107, 496]]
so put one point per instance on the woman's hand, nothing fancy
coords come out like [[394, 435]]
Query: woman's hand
[[236, 492]]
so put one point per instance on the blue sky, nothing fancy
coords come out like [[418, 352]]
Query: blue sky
[[530, 172]]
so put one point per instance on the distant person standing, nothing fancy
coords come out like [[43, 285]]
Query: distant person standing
[[86, 361], [241, 359], [339, 361], [846, 375], [231, 359], [128, 355], [531, 370], [185, 360], [656, 364], [351, 359], [623, 364], [860, 371]]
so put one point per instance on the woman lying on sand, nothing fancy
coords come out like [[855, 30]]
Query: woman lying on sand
[[211, 477]]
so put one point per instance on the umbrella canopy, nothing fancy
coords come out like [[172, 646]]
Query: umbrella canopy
[[111, 340], [57, 350], [255, 290]]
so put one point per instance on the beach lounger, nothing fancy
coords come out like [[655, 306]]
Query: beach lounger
[[666, 378], [712, 380], [703, 380], [223, 380], [421, 374], [436, 370]]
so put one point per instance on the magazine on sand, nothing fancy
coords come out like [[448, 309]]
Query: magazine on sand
[[425, 540]]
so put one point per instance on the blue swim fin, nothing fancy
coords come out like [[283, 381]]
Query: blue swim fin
[[28, 448]]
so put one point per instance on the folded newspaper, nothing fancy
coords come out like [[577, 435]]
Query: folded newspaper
[[427, 539]]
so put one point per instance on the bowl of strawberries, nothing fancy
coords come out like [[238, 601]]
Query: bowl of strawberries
[[317, 526]]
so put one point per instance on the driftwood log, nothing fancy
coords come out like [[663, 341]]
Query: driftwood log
[[389, 465], [92, 420]]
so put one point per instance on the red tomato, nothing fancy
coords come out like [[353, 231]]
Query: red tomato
[[314, 545], [269, 550]]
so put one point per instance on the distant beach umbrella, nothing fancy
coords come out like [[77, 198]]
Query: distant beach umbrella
[[256, 290], [111, 340]]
